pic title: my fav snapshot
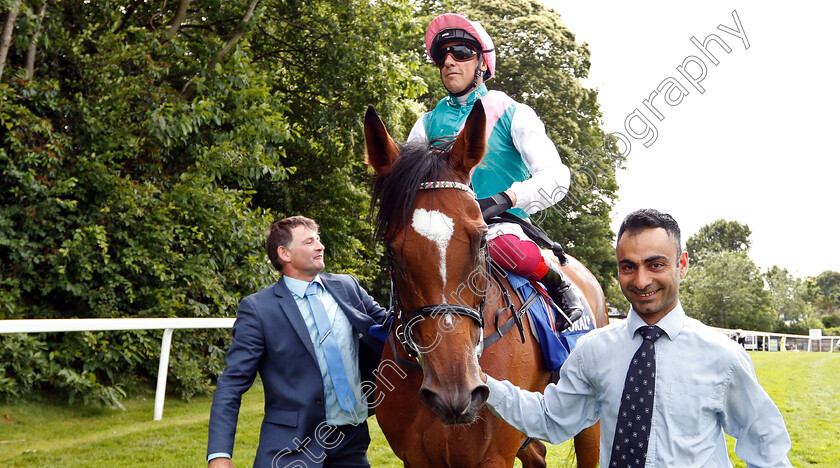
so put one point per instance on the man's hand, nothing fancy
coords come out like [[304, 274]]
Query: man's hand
[[496, 205], [220, 463]]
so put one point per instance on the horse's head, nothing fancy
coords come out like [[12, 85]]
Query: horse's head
[[435, 237]]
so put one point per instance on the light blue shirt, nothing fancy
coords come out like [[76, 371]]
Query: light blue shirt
[[348, 342], [705, 386]]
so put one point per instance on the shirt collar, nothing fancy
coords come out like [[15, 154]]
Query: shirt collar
[[671, 324], [298, 287], [477, 94]]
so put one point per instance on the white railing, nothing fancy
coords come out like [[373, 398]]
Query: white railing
[[168, 325], [796, 342], [760, 341]]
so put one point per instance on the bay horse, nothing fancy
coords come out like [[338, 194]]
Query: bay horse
[[430, 403]]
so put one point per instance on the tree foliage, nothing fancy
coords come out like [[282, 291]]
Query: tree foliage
[[828, 290], [719, 236], [787, 297], [143, 158], [724, 287], [831, 321], [727, 291]]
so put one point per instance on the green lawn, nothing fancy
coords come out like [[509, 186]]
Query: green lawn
[[805, 387]]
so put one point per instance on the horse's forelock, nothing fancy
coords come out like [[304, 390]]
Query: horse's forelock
[[395, 191]]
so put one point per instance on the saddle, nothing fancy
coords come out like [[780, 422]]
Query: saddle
[[555, 349]]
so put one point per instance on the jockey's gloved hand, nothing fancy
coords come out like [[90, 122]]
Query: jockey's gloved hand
[[495, 205]]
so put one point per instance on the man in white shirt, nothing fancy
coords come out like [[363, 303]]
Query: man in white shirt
[[704, 383]]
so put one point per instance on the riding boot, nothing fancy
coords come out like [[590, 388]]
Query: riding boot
[[567, 304]]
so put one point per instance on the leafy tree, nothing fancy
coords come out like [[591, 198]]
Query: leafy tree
[[146, 150], [802, 327], [728, 291], [831, 321], [719, 236], [540, 64], [787, 296], [828, 286]]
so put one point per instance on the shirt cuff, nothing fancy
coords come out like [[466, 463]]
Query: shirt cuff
[[217, 455], [497, 393]]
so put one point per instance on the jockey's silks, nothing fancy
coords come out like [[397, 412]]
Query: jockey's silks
[[502, 164]]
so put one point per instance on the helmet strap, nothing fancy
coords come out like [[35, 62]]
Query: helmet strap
[[474, 84]]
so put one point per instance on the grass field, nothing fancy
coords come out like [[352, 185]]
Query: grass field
[[805, 386]]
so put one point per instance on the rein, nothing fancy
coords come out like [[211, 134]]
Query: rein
[[403, 332]]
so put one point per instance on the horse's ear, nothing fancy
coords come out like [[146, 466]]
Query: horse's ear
[[471, 143], [381, 149]]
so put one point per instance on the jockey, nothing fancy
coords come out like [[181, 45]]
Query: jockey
[[521, 173]]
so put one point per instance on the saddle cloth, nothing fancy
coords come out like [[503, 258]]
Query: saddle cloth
[[555, 349]]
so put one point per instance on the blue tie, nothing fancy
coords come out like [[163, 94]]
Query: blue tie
[[330, 346]]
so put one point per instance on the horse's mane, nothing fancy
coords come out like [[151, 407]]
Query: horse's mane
[[395, 191]]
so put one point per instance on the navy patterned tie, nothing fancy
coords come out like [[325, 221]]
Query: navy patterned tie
[[632, 430]]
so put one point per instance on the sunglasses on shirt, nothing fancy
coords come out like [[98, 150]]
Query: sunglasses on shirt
[[460, 52]]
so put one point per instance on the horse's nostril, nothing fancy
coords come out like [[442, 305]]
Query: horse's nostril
[[480, 395], [461, 410], [430, 398]]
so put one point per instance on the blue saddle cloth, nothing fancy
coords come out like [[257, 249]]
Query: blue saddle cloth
[[555, 350]]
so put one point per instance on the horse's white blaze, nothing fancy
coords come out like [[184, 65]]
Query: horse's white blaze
[[438, 228]]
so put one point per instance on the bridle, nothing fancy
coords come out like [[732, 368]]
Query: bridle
[[409, 319]]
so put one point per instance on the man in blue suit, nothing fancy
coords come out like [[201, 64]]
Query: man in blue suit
[[308, 336]]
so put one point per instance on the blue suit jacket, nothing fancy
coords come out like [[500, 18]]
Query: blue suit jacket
[[270, 338]]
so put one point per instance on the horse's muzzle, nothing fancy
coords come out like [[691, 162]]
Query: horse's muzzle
[[456, 407]]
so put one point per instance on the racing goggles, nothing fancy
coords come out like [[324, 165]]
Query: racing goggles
[[460, 52]]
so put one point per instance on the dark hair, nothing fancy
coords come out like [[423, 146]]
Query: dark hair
[[648, 218], [280, 233]]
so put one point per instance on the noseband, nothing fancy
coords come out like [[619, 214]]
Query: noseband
[[408, 320]]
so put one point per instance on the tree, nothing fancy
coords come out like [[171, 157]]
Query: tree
[[6, 35], [330, 63], [728, 291], [828, 286], [787, 297], [719, 236], [143, 158], [831, 321]]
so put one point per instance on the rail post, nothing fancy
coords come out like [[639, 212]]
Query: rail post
[[163, 369]]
